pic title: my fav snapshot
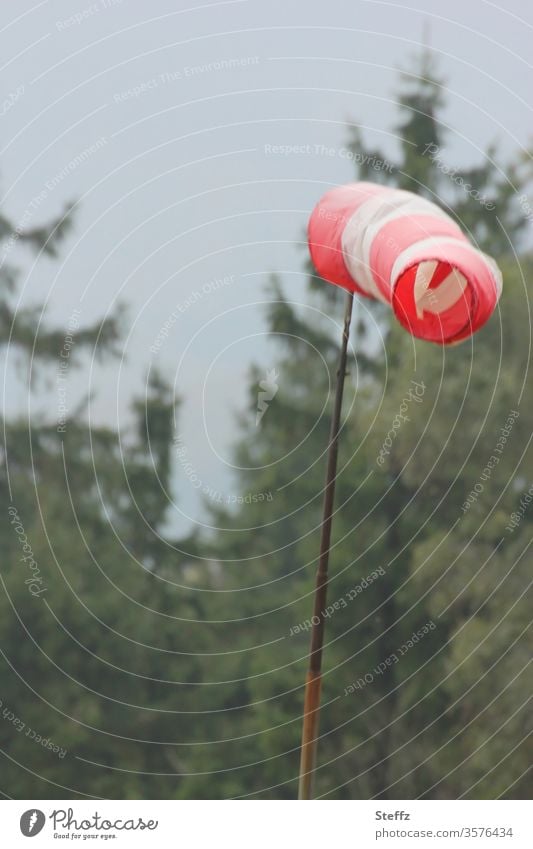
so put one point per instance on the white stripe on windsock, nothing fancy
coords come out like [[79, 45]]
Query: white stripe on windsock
[[436, 244], [441, 298], [424, 276], [352, 244]]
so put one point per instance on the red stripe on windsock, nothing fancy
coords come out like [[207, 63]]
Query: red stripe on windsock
[[326, 226]]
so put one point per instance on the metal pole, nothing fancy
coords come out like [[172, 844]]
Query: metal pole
[[314, 675]]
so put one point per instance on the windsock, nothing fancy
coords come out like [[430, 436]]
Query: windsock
[[396, 247]]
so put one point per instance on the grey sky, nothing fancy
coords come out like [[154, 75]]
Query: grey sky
[[169, 160]]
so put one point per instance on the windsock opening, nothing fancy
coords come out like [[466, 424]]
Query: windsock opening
[[434, 301]]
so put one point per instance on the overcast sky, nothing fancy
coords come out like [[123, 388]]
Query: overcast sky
[[159, 120]]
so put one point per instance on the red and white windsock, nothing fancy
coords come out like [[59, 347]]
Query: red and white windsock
[[404, 250]]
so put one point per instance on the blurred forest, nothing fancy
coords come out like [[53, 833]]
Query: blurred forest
[[160, 674]]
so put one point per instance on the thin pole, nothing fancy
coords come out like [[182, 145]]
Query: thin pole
[[314, 674]]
